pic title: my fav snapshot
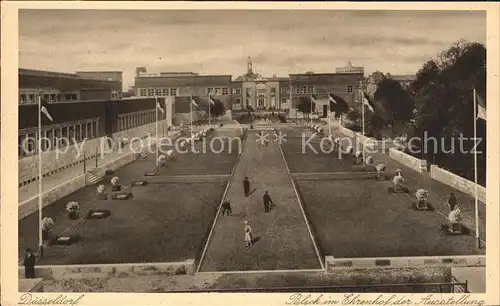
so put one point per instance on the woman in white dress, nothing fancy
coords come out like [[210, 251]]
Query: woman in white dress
[[398, 181], [248, 234]]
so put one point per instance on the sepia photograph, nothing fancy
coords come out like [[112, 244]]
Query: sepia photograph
[[253, 151]]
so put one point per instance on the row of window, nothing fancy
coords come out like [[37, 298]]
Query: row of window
[[151, 92], [57, 136], [31, 98], [133, 120], [160, 92], [224, 91]]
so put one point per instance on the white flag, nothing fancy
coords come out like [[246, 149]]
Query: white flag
[[158, 106], [210, 100], [44, 110], [194, 102]]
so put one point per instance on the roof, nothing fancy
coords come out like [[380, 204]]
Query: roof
[[47, 73], [179, 81], [99, 71], [406, 77]]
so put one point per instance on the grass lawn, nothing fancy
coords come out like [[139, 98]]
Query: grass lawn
[[359, 218], [163, 222], [202, 160], [307, 161]]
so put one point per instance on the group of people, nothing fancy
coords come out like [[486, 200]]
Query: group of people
[[268, 203]]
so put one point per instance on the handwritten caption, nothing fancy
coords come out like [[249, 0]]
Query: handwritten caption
[[382, 300], [30, 299]]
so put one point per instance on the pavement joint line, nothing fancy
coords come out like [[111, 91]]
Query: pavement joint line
[[301, 208], [219, 207]]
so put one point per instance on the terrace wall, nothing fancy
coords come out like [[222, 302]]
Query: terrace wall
[[419, 165], [332, 263], [458, 182], [186, 267]]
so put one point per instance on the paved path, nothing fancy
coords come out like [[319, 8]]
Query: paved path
[[283, 238]]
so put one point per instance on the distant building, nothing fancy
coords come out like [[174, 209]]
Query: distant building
[[349, 68], [252, 90], [404, 80], [321, 85], [183, 84], [110, 76], [60, 87]]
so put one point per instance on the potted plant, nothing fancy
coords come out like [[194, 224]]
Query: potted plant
[[101, 192], [115, 184], [73, 210], [47, 226]]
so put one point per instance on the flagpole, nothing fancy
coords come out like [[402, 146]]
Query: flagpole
[[475, 174], [156, 113], [329, 113], [40, 185], [363, 123], [191, 114], [311, 112], [209, 116]]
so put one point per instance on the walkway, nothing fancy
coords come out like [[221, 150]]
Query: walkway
[[283, 241]]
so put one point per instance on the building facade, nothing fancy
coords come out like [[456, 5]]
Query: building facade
[[253, 91], [183, 84], [349, 68], [60, 87], [110, 76], [320, 85]]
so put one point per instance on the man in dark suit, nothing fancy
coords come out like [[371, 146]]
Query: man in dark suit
[[267, 202], [226, 206], [246, 186], [29, 264]]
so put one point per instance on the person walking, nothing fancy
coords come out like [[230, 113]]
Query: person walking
[[226, 206], [248, 234], [246, 186], [267, 202], [452, 201], [29, 264]]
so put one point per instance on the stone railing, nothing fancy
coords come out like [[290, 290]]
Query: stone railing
[[106, 270], [458, 182], [332, 263], [419, 165]]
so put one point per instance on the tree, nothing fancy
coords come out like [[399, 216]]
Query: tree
[[217, 109], [304, 105], [397, 101], [443, 94], [341, 107]]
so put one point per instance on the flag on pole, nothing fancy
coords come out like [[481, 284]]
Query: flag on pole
[[331, 98], [44, 109], [313, 98], [210, 100], [481, 107], [193, 102], [158, 106], [367, 102]]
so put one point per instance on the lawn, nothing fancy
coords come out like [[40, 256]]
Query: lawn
[[359, 218], [157, 225], [301, 160], [203, 159]]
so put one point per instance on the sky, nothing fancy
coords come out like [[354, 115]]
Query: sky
[[219, 41]]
